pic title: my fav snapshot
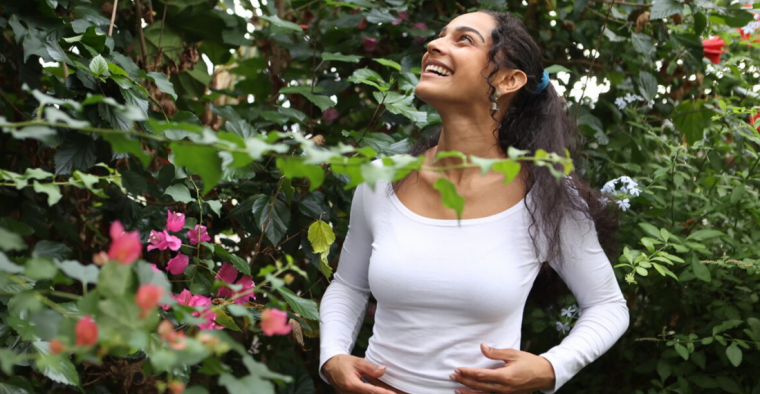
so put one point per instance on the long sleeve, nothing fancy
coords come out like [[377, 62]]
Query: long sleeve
[[345, 300], [604, 313]]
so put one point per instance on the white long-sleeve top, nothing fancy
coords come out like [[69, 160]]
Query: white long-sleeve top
[[443, 287]]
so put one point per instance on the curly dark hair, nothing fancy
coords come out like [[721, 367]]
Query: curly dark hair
[[532, 122]]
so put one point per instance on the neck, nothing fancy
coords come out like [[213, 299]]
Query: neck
[[472, 134]]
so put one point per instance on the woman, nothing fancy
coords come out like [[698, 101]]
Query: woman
[[451, 293]]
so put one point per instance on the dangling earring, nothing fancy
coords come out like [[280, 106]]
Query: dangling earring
[[494, 104]]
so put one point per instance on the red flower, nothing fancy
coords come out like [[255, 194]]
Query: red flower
[[362, 24], [274, 322], [370, 44], [401, 16], [125, 246], [755, 121], [86, 332], [304, 27], [178, 264], [713, 48], [148, 296]]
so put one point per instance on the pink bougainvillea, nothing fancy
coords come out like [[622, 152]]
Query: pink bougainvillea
[[175, 221], [163, 241], [125, 246], [192, 235], [274, 322], [369, 44], [227, 274], [178, 264]]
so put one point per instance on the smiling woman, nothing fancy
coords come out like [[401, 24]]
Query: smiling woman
[[484, 76]]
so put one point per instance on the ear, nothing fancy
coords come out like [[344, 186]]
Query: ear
[[510, 81]]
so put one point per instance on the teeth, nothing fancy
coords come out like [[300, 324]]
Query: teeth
[[438, 69]]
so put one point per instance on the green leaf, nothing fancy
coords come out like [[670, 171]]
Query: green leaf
[[321, 236], [295, 167], [324, 265], [556, 68], [665, 8], [8, 266], [215, 206], [323, 102], [682, 351], [701, 235], [163, 84], [40, 133], [692, 119], [53, 191], [84, 273], [114, 279], [57, 368], [647, 85], [225, 320], [306, 308], [202, 160], [451, 199], [179, 193], [77, 152], [237, 261], [700, 270], [276, 21], [651, 230], [389, 63], [99, 66], [509, 168], [11, 241], [273, 220], [737, 193], [734, 354], [339, 57]]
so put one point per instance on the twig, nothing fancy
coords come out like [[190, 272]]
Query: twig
[[617, 2], [113, 17], [140, 34]]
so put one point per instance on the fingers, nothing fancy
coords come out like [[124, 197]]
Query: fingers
[[482, 380], [499, 354], [370, 369]]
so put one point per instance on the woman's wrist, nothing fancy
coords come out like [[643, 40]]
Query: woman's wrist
[[547, 374]]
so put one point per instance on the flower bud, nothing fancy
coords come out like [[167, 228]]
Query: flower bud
[[56, 346], [86, 331], [148, 296]]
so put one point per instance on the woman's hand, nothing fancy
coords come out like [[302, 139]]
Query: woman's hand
[[522, 373], [345, 373]]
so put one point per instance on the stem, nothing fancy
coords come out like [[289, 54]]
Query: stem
[[113, 17]]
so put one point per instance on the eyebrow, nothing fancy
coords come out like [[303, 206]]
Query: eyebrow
[[465, 28]]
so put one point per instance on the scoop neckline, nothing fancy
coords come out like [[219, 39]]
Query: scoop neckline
[[454, 222]]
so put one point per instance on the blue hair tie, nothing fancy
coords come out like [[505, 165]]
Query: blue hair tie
[[543, 84]]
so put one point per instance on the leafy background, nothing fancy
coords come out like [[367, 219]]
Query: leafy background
[[256, 119]]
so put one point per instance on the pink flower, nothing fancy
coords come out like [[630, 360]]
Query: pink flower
[[401, 16], [274, 322], [420, 26], [329, 115], [362, 24], [227, 274], [713, 48], [175, 221], [86, 331], [370, 44], [192, 235], [163, 241], [210, 324], [125, 246], [147, 297], [184, 297], [178, 264], [155, 268]]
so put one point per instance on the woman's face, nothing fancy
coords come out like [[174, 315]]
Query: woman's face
[[460, 53]]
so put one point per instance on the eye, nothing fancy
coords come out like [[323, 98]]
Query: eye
[[465, 36]]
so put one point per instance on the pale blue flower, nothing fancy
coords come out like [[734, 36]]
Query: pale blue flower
[[563, 327], [624, 204]]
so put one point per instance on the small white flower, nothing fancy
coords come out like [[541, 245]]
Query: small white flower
[[624, 204], [634, 191], [751, 27], [569, 311], [563, 327], [620, 102], [604, 200], [609, 187]]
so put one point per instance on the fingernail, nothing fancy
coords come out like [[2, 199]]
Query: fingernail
[[453, 376], [457, 370], [458, 391]]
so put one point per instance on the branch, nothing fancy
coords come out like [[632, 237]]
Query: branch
[[617, 2], [113, 17]]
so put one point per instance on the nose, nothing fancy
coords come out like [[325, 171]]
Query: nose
[[435, 46]]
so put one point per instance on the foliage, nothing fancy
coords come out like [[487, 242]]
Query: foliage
[[261, 150]]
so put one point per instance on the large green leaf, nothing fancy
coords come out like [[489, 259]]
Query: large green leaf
[[274, 220], [665, 8], [306, 308], [202, 160], [77, 152], [451, 199]]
